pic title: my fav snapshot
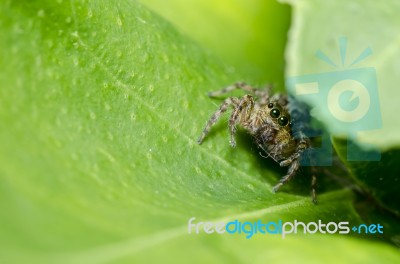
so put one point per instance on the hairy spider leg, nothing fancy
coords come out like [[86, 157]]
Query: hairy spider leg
[[241, 113], [294, 162], [231, 101], [314, 187], [261, 93], [302, 145], [293, 168]]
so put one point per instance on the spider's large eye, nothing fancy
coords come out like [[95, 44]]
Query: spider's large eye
[[283, 121], [274, 113], [270, 105]]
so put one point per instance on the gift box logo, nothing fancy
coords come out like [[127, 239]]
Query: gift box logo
[[346, 98]]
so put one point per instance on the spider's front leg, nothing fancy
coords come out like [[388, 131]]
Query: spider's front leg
[[303, 144], [240, 114], [242, 109], [294, 162], [231, 101], [293, 168]]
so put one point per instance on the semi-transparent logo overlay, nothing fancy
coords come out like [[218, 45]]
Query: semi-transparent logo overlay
[[347, 99]]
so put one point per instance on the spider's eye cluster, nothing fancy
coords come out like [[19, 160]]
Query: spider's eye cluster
[[275, 113]]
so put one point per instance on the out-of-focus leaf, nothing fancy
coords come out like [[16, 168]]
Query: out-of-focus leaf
[[371, 31], [249, 35]]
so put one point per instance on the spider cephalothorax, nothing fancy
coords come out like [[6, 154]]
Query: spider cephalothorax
[[268, 120]]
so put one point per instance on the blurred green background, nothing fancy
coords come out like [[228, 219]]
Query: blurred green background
[[101, 104]]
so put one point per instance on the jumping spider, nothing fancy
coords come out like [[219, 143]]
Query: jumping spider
[[268, 120]]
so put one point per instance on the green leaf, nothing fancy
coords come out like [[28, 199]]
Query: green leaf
[[249, 35], [100, 104], [366, 24], [379, 179], [343, 30]]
